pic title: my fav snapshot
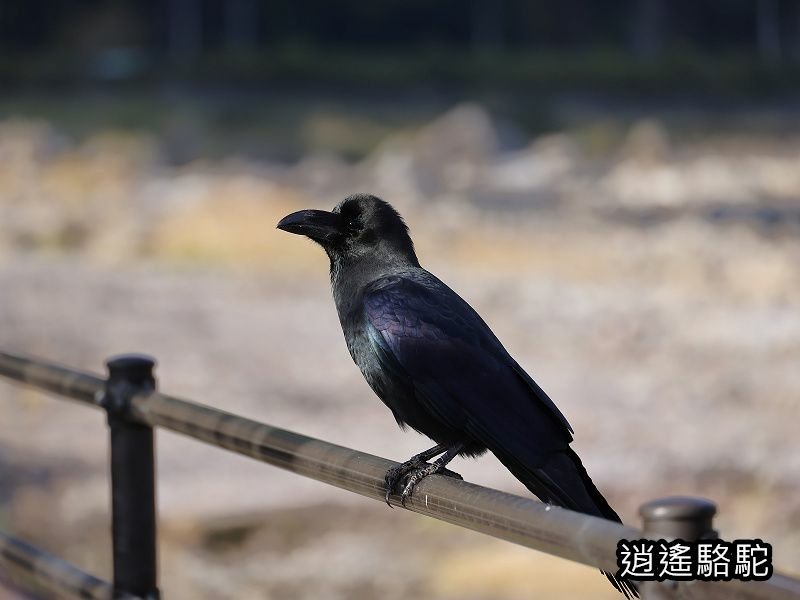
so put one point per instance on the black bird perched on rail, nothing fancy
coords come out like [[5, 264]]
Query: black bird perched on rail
[[435, 363]]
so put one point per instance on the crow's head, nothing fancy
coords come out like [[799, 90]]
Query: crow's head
[[360, 225]]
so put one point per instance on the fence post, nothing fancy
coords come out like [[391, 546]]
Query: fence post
[[676, 517], [133, 502]]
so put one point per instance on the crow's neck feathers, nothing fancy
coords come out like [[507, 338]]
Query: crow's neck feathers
[[381, 247], [352, 272]]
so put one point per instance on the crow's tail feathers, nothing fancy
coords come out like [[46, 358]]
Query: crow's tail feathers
[[563, 481]]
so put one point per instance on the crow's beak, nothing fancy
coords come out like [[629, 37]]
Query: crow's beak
[[319, 225]]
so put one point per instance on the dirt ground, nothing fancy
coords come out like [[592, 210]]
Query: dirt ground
[[671, 390], [654, 300]]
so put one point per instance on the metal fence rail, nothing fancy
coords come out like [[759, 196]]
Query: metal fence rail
[[130, 395], [30, 564]]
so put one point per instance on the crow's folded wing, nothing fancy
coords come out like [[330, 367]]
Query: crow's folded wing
[[426, 335]]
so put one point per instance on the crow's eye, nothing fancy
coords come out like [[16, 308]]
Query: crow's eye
[[352, 226]]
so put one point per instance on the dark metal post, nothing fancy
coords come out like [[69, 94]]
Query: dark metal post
[[133, 502], [677, 517]]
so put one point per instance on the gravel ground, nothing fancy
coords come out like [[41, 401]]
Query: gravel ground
[[677, 369], [650, 285]]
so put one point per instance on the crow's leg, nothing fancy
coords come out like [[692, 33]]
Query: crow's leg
[[417, 461], [438, 466]]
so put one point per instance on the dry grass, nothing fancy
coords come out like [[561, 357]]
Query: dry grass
[[232, 223], [497, 570]]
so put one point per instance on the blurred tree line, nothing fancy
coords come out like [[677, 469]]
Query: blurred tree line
[[124, 38]]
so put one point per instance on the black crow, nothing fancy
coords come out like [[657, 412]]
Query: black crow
[[436, 364]]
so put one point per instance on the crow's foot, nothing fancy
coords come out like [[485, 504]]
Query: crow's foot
[[395, 474], [413, 477], [412, 471]]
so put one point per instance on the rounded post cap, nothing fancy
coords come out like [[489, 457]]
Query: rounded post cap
[[678, 508], [132, 367], [679, 517]]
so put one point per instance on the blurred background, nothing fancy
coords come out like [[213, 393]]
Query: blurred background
[[614, 186]]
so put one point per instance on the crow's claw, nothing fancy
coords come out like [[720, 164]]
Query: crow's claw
[[415, 469], [395, 474], [412, 478]]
